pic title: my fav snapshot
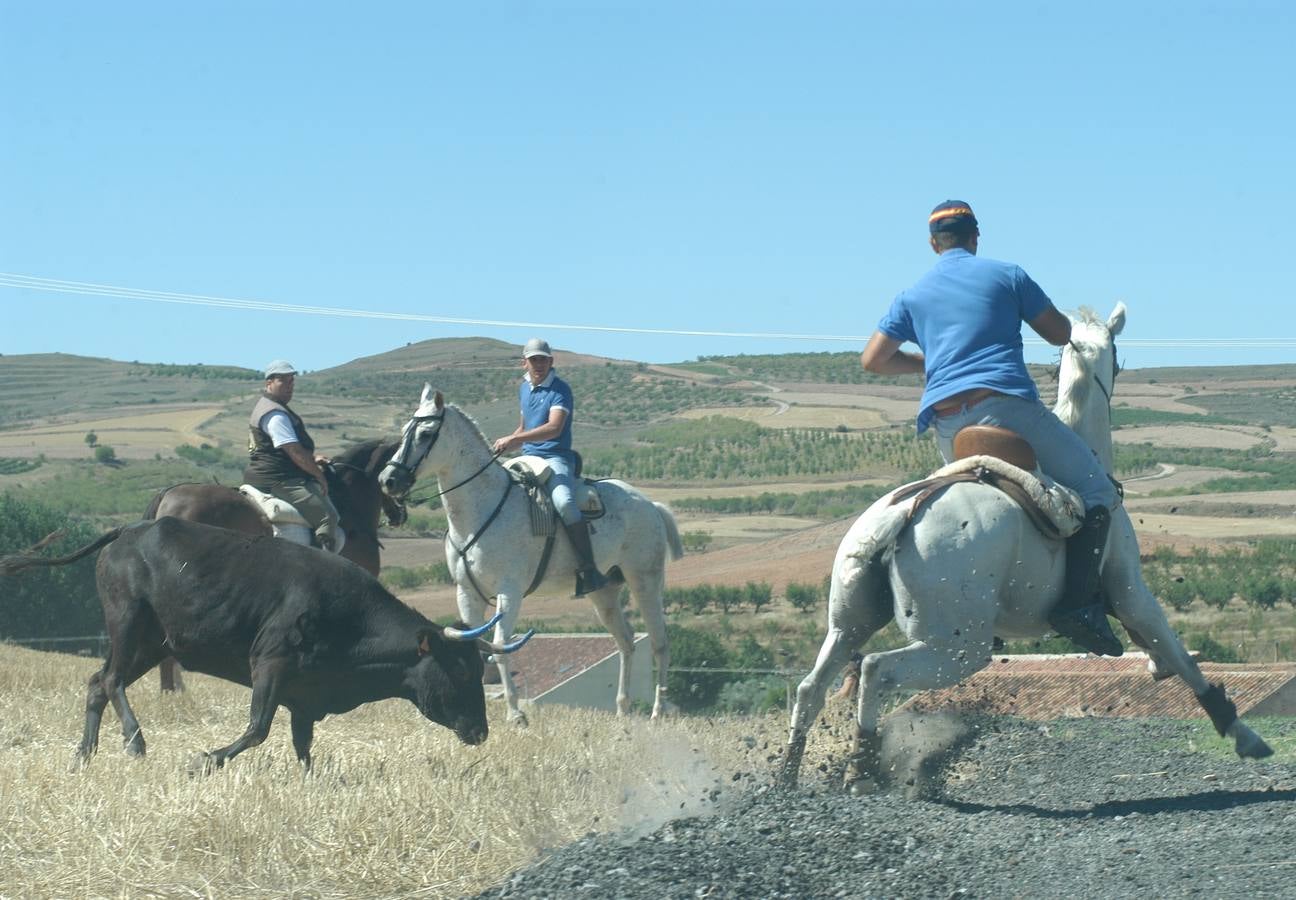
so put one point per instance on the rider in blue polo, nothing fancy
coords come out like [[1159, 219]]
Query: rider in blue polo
[[545, 430], [965, 314]]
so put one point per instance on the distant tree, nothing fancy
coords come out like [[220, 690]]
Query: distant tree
[[758, 594], [47, 602], [696, 541], [804, 597], [105, 454], [695, 649], [91, 439]]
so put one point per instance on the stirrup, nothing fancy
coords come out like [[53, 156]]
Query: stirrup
[[590, 580], [1088, 627]]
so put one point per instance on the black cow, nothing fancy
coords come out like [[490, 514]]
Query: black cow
[[304, 629]]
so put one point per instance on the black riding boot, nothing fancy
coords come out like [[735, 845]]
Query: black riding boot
[[588, 577], [1080, 614]]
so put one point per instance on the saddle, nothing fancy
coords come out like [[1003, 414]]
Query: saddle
[[535, 469], [1004, 460], [284, 518]]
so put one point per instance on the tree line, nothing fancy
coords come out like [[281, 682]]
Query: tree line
[[1261, 575]]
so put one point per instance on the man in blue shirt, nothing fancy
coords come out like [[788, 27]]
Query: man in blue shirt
[[965, 315], [545, 430]]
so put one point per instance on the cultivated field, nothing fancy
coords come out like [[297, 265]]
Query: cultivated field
[[133, 434], [785, 416]]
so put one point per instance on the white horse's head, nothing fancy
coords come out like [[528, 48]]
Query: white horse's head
[[417, 440], [1087, 377]]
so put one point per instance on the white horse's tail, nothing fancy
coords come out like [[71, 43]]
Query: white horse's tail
[[877, 533], [672, 530]]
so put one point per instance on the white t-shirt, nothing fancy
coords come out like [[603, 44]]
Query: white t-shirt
[[279, 428]]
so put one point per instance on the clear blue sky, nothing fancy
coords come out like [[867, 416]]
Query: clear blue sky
[[744, 166]]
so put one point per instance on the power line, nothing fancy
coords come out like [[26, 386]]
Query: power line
[[61, 286]]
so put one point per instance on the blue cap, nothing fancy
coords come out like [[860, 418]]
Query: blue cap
[[952, 215]]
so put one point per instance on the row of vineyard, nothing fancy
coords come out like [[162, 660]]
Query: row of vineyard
[[11, 465], [826, 504], [729, 449]]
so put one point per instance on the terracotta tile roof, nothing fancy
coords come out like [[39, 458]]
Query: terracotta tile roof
[[1050, 687], [550, 659]]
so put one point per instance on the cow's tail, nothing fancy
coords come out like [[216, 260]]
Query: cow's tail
[[672, 530], [12, 565]]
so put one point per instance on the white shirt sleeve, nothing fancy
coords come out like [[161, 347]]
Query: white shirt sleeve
[[278, 427]]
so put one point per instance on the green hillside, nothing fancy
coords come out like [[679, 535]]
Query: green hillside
[[34, 386]]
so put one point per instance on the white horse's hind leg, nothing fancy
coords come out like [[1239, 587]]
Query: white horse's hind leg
[[647, 590], [918, 667], [607, 603], [859, 603]]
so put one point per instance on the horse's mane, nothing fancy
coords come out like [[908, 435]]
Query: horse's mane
[[471, 422], [1071, 397], [369, 455]]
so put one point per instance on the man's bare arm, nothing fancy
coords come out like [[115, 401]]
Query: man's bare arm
[[546, 432], [1052, 325], [883, 356]]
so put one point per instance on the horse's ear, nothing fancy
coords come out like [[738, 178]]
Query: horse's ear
[[1116, 321], [440, 401], [427, 392]]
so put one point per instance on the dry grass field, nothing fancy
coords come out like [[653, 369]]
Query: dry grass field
[[132, 434], [1231, 437], [395, 807]]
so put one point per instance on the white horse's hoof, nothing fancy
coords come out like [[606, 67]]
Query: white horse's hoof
[[1247, 743], [518, 720], [863, 787]]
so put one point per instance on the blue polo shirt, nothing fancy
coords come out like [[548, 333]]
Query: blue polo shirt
[[966, 315], [536, 402]]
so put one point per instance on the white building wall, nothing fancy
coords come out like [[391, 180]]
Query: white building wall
[[596, 687]]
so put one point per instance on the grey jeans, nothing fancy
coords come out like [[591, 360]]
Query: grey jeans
[[560, 489], [309, 499], [1062, 454]]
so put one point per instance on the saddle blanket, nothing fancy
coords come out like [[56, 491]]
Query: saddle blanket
[[279, 512], [1058, 505], [537, 468]]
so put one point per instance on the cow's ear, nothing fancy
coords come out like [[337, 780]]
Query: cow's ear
[[424, 644]]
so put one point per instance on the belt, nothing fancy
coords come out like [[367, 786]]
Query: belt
[[959, 402]]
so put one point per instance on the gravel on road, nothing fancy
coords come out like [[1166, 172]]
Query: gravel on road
[[1076, 807]]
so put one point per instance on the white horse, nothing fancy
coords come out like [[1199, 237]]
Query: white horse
[[971, 567], [492, 552]]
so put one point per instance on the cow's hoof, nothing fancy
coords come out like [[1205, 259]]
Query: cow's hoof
[[202, 764], [80, 760]]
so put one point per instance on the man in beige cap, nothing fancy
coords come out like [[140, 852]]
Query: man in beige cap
[[282, 456]]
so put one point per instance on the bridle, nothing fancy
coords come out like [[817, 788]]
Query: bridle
[[410, 471], [1106, 391]]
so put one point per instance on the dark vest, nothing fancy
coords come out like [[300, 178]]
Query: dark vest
[[267, 465]]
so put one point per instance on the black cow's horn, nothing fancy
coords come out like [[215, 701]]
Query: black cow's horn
[[457, 634], [510, 646]]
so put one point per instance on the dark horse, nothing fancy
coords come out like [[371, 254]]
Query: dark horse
[[353, 488]]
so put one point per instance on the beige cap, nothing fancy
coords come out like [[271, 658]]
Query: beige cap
[[536, 347]]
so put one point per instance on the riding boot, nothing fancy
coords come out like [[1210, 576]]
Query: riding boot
[[588, 577], [1080, 614]]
